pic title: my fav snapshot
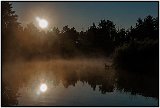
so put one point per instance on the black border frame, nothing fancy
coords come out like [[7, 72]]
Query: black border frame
[[70, 1]]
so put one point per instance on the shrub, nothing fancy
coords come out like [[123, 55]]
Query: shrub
[[138, 57]]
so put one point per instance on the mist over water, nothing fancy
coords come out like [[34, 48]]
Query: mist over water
[[74, 82]]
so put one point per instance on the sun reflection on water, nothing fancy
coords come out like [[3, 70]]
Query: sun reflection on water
[[43, 87]]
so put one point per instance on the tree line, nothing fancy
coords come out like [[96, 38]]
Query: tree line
[[104, 39]]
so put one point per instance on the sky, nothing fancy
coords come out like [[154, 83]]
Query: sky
[[81, 15]]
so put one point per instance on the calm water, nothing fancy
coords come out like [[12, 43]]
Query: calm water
[[74, 83]]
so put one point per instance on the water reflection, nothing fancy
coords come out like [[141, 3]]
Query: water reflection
[[138, 84], [43, 87], [9, 95], [30, 79]]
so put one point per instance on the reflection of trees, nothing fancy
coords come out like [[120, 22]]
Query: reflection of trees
[[94, 77], [9, 95], [30, 74], [138, 84], [69, 78], [106, 87], [106, 81]]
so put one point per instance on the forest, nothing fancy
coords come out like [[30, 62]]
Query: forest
[[132, 49]]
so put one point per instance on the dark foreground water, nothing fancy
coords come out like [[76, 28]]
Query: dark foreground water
[[74, 83]]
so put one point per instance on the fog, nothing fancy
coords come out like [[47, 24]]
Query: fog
[[21, 69]]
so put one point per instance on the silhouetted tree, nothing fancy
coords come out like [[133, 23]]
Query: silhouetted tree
[[10, 28], [107, 33], [146, 28], [120, 38], [140, 53], [103, 39], [68, 41], [53, 41]]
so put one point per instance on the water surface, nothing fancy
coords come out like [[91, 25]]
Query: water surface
[[83, 82]]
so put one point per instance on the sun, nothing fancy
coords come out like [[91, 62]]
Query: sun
[[42, 23], [43, 87]]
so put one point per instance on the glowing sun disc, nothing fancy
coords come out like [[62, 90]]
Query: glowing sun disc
[[43, 87], [42, 22]]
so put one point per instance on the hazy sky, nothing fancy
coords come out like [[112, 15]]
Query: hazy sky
[[83, 14]]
